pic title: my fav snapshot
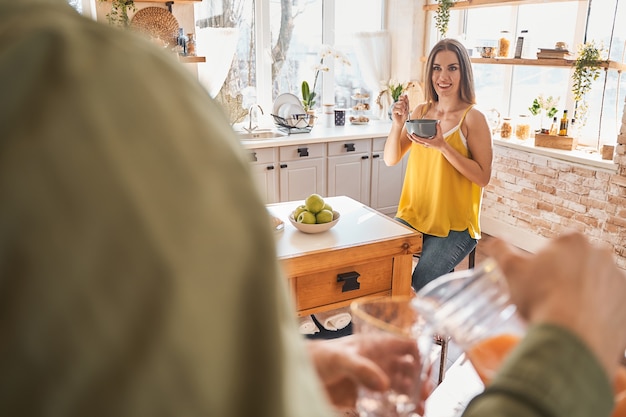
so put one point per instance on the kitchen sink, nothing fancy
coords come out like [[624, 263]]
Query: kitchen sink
[[260, 134]]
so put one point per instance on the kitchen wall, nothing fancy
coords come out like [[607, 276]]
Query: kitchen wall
[[532, 198]]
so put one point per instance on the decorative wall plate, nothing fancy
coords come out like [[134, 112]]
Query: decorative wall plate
[[157, 23]]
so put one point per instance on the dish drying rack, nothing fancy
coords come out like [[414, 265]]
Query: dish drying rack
[[296, 123]]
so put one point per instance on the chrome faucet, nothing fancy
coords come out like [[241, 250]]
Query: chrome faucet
[[250, 128]]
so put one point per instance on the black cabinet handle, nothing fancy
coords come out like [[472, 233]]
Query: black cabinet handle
[[270, 167], [349, 280], [376, 155], [283, 165], [349, 147], [303, 152], [253, 156], [365, 157]]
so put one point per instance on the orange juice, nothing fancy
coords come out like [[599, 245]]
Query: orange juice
[[487, 355], [619, 385]]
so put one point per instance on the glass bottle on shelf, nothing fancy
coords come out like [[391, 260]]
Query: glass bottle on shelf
[[554, 128], [191, 44]]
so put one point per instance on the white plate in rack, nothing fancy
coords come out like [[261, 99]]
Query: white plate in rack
[[288, 98]]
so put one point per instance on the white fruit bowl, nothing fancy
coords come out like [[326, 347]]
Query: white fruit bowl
[[314, 228]]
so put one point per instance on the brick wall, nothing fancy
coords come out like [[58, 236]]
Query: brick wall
[[541, 196]]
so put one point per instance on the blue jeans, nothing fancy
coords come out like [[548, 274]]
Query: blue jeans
[[440, 255]]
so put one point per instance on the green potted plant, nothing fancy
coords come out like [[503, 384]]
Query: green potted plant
[[118, 16], [308, 96], [395, 91], [586, 71], [544, 107], [442, 16]]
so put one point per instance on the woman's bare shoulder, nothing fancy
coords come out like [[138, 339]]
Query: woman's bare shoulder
[[475, 115]]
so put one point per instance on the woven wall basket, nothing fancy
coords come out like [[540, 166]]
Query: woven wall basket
[[157, 23]]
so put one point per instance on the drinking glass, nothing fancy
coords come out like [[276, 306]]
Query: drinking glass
[[394, 321]]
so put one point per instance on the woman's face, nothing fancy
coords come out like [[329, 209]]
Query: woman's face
[[446, 76]]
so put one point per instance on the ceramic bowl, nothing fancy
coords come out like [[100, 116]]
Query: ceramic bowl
[[315, 228], [424, 128]]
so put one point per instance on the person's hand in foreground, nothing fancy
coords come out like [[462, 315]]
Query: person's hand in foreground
[[344, 364], [573, 284]]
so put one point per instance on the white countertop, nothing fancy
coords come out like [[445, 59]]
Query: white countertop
[[381, 128], [319, 133], [358, 224]]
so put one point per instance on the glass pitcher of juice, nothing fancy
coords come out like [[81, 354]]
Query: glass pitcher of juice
[[473, 307]]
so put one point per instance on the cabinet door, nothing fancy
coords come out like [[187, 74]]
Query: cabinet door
[[265, 173], [386, 181], [349, 169], [300, 179], [350, 175], [302, 171]]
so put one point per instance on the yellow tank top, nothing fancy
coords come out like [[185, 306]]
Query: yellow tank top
[[436, 198]]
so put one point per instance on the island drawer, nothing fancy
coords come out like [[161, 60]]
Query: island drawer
[[339, 285]]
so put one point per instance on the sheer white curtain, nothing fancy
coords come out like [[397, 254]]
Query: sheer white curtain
[[218, 45], [373, 50]]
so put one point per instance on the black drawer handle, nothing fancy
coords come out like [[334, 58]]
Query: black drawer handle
[[303, 152], [270, 167], [376, 155], [349, 147], [254, 158], [349, 280], [283, 165], [365, 157]]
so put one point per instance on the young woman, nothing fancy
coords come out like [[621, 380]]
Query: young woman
[[445, 176]]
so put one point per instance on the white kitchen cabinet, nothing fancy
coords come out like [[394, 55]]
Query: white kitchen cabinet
[[386, 181], [264, 162], [302, 171], [349, 169]]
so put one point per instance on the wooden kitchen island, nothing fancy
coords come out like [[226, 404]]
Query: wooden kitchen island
[[365, 254]]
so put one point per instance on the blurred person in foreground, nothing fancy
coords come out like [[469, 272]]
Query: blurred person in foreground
[[138, 275], [445, 175]]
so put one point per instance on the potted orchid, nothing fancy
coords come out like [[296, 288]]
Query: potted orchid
[[308, 93]]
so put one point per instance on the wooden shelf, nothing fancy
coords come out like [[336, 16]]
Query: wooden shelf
[[545, 62], [467, 4], [190, 59]]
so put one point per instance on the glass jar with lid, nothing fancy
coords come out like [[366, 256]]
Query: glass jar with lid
[[522, 128], [506, 128], [504, 44]]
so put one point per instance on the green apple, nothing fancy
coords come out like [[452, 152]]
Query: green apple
[[298, 210], [327, 207], [314, 203], [324, 216], [306, 217]]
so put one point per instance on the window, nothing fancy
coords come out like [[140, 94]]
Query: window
[[548, 23], [279, 42]]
